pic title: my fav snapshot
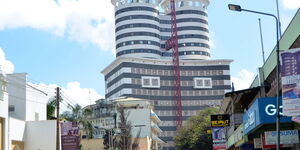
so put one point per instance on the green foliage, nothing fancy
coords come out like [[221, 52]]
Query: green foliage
[[51, 106], [79, 115], [193, 135]]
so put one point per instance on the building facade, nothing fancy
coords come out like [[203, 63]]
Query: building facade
[[203, 84], [144, 68], [139, 113], [142, 28]]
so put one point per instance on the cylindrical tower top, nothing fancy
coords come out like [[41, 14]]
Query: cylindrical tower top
[[165, 4], [122, 2]]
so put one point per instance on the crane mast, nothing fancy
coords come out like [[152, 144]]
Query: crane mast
[[173, 43]]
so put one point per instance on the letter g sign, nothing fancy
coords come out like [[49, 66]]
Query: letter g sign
[[271, 110]]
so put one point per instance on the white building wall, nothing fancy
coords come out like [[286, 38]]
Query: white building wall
[[40, 135], [36, 104], [140, 119], [16, 88], [16, 129], [30, 103], [4, 111]]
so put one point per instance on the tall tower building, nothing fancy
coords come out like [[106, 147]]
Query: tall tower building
[[144, 68]]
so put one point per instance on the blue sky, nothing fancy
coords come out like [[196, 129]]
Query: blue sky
[[69, 42]]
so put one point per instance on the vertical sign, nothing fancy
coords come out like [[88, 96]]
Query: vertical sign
[[290, 78], [218, 122], [69, 136]]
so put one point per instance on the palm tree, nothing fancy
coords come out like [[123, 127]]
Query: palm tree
[[79, 115], [51, 107]]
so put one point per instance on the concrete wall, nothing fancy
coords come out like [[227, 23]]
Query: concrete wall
[[92, 144], [40, 135], [16, 129]]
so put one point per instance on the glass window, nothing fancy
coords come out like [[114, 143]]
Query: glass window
[[146, 81]]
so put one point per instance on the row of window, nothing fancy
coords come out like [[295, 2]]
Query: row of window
[[143, 8], [136, 17], [137, 34], [183, 83], [184, 103], [163, 46], [194, 44], [163, 38], [122, 2], [139, 8], [165, 54], [147, 25], [182, 72], [138, 42], [150, 92], [185, 28], [186, 36], [182, 20]]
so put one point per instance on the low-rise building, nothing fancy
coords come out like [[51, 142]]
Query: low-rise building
[[26, 109], [139, 112]]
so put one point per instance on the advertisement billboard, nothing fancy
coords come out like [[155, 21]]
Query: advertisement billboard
[[221, 120], [286, 137], [69, 136], [290, 78], [219, 138]]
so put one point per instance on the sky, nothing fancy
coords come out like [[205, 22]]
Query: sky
[[68, 43]]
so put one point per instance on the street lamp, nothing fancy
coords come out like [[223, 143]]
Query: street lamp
[[238, 8]]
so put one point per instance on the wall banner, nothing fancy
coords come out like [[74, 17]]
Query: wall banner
[[290, 78], [69, 136]]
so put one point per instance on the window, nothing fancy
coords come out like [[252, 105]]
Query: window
[[150, 82], [11, 108], [202, 83]]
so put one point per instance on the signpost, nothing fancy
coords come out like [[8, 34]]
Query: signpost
[[69, 136]]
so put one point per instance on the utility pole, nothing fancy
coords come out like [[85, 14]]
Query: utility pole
[[57, 118]]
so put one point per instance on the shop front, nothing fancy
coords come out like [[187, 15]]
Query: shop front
[[260, 125]]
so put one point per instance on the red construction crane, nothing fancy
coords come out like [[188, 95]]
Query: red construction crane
[[173, 43]]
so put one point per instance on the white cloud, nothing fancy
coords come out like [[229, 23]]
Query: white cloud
[[243, 80], [6, 66], [73, 93], [291, 4], [80, 20], [212, 41]]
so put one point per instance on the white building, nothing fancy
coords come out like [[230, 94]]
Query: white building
[[29, 128], [144, 67], [142, 118], [3, 113]]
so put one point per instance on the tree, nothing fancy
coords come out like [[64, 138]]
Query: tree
[[108, 136], [51, 107], [193, 135], [80, 115], [125, 139]]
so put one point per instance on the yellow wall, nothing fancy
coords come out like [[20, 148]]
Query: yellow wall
[[92, 144], [16, 145], [97, 144]]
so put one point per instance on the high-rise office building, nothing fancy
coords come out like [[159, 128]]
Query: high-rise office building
[[144, 68]]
